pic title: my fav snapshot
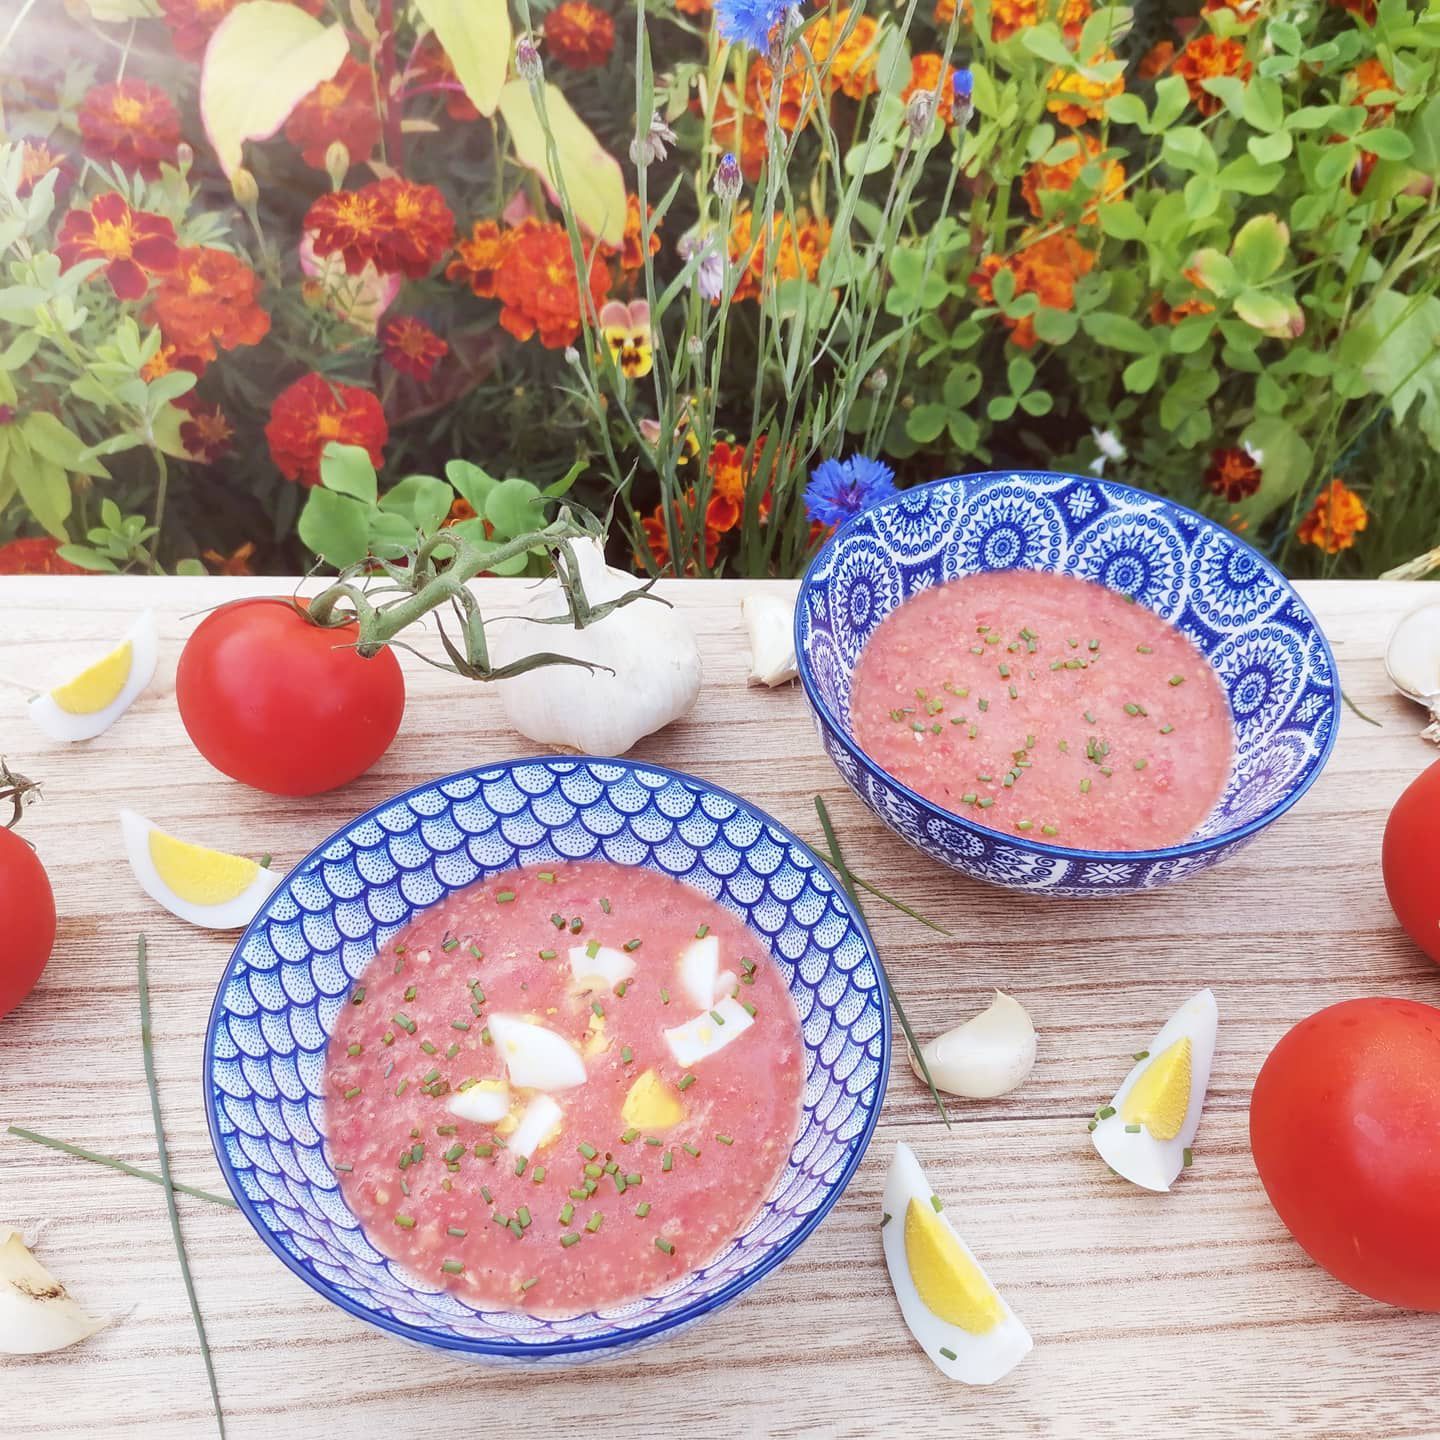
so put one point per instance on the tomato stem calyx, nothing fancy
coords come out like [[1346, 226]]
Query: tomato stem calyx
[[17, 792]]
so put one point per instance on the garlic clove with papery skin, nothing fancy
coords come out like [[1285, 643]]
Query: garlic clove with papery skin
[[989, 1055], [770, 623], [37, 1314], [1412, 661], [646, 666]]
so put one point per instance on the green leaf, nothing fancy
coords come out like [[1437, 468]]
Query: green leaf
[[1126, 109], [1388, 143], [1269, 313], [334, 527], [1334, 165], [1037, 402], [1172, 95], [1121, 221], [1399, 349], [560, 487], [1000, 407], [1202, 195], [1285, 36], [390, 536], [1002, 286], [591, 176], [1263, 105], [347, 470], [292, 51], [18, 302], [20, 350], [110, 516], [513, 507], [1260, 248], [170, 387], [1314, 117], [88, 559], [964, 432], [1188, 394], [1046, 42], [1285, 461], [471, 482], [1191, 333], [1228, 89], [53, 441], [1425, 138], [477, 36], [1020, 372], [1119, 332], [1188, 148], [1140, 375], [1216, 271], [925, 422], [1056, 327], [1247, 175], [191, 567], [1270, 149], [964, 382], [44, 488], [422, 499]]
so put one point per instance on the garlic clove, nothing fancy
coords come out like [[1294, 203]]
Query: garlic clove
[[1412, 661], [989, 1055], [37, 1314], [770, 622]]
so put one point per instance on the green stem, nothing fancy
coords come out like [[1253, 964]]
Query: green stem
[[162, 486]]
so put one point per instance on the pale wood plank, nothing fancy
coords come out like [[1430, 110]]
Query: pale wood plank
[[1150, 1314]]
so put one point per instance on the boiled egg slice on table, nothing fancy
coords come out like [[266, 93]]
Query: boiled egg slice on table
[[955, 1314], [1145, 1132], [536, 1058], [92, 701], [204, 887]]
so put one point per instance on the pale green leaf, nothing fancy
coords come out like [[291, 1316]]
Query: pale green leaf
[[477, 36], [44, 489], [334, 527], [1260, 248], [51, 439], [347, 470], [422, 500]]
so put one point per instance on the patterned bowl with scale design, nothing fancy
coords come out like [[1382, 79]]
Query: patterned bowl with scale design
[[295, 966], [1268, 650]]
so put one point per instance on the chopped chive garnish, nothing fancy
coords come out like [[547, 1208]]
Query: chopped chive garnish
[[449, 944], [567, 1213], [611, 1167], [571, 1239], [346, 1167], [411, 992], [1188, 1156], [526, 1284], [401, 1088], [667, 1160], [629, 1137], [523, 1216], [546, 877], [1141, 764], [935, 1204], [404, 1022], [631, 945], [520, 1165], [884, 1218], [605, 905], [661, 1243], [717, 1017], [1143, 650], [458, 1231], [1142, 1055], [748, 1008], [685, 1081], [547, 954], [405, 1222], [726, 1139], [643, 1209], [558, 920], [475, 951], [1085, 787], [431, 1076], [352, 1092], [595, 1222], [485, 1195], [485, 1036], [428, 1046], [517, 1229], [578, 1192], [702, 931], [594, 1171], [626, 1055], [576, 925], [621, 988], [1104, 1112], [358, 998], [388, 1038], [353, 1049], [1177, 679], [1166, 729], [455, 1151], [504, 897], [592, 948], [690, 1149], [588, 1151], [417, 1152], [664, 996], [459, 1024], [483, 1149], [1049, 830], [597, 1008], [947, 1353], [1132, 1129], [654, 1140], [633, 1177]]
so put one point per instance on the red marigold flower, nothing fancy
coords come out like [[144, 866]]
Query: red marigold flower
[[37, 160], [1335, 519], [479, 258], [536, 284], [134, 244], [209, 299], [395, 224], [311, 413], [432, 69], [657, 541], [1156, 60], [39, 556], [207, 434], [1365, 10], [342, 108], [579, 34], [133, 123], [1233, 474], [412, 347], [631, 252], [1205, 56]]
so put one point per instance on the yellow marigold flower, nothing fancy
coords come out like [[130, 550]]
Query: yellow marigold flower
[[1075, 98]]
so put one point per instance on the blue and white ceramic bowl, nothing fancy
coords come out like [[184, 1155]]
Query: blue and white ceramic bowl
[[1265, 645], [294, 967]]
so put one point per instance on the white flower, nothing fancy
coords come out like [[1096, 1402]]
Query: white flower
[[1256, 454], [650, 148], [1110, 447]]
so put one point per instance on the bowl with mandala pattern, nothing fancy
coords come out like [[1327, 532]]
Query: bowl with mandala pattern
[[1268, 650], [293, 969]]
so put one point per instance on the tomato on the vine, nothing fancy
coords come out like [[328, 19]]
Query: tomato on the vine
[[27, 904], [284, 705], [1410, 860]]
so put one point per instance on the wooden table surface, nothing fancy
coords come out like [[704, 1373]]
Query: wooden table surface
[[1192, 1313]]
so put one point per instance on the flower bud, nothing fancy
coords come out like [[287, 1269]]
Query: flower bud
[[963, 85], [877, 380], [696, 346], [572, 356], [337, 163], [527, 58], [727, 179], [244, 188], [184, 157], [920, 112]]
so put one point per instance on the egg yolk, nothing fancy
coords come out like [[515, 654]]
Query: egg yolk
[[650, 1104], [197, 875], [1160, 1098], [93, 689], [947, 1280]]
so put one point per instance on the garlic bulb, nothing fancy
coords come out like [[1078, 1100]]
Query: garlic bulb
[[37, 1314], [989, 1055], [770, 622], [647, 664], [1412, 661]]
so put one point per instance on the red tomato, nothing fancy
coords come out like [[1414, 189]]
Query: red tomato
[[1410, 859], [283, 705], [27, 905], [1345, 1126]]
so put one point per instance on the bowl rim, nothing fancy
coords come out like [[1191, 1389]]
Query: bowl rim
[[596, 1345], [1062, 852]]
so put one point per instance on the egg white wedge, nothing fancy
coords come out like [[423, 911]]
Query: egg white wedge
[[599, 967], [699, 970], [956, 1315], [1146, 1129], [708, 1034], [536, 1058], [204, 887], [538, 1126], [91, 702], [487, 1102]]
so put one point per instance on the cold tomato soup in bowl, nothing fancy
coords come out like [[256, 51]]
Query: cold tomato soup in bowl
[[564, 1087]]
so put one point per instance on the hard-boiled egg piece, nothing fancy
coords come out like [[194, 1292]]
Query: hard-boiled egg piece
[[91, 702], [709, 1033], [204, 887], [651, 1104], [1146, 1130], [536, 1058], [699, 969], [955, 1314], [487, 1102], [599, 967], [538, 1126]]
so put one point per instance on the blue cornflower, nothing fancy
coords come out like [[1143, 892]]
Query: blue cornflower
[[963, 83], [748, 21], [839, 489]]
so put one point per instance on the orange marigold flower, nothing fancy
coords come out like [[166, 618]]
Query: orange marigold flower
[[1336, 518], [852, 61], [432, 69], [792, 252], [237, 562], [1009, 16], [169, 358], [631, 252], [1163, 313], [412, 347], [1365, 10], [580, 35], [730, 478], [209, 299], [927, 71], [1046, 268], [797, 91], [37, 160], [1064, 174], [133, 123], [657, 541], [1204, 56], [1362, 82], [1156, 60], [397, 225], [479, 258], [39, 556], [536, 284], [311, 413], [206, 435], [694, 7], [1233, 474], [342, 108], [134, 244], [1075, 98]]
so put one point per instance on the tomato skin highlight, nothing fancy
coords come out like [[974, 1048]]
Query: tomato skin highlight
[[1345, 1130], [282, 705], [27, 920], [1410, 860]]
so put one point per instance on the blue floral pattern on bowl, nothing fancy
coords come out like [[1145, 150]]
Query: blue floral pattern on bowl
[[295, 966], [1267, 648]]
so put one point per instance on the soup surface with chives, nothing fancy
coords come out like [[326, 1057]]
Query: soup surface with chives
[[1045, 706], [561, 1089]]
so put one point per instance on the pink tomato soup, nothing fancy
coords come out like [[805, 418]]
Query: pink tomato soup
[[446, 1199], [1046, 706]]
